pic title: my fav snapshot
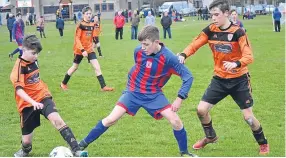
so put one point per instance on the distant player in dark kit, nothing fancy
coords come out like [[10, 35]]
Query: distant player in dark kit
[[232, 53], [154, 65], [34, 99], [83, 47], [18, 34]]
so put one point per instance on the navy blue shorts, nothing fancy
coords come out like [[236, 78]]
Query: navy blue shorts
[[154, 105]]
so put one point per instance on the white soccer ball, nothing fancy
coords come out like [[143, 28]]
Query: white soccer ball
[[61, 151]]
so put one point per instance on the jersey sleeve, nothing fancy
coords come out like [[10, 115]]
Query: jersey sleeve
[[247, 55], [182, 71], [17, 77], [78, 33]]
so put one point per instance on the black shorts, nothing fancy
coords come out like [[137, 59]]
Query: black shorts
[[30, 118], [77, 58], [238, 88]]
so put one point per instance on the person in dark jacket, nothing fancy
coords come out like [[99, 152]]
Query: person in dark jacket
[[10, 22], [166, 22], [276, 17], [60, 24], [134, 25], [74, 18]]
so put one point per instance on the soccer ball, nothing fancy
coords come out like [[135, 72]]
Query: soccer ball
[[61, 151]]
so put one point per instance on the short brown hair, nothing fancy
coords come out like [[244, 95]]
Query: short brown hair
[[149, 32], [221, 4], [233, 10], [31, 42], [85, 9]]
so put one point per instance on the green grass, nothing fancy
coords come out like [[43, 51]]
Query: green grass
[[83, 105]]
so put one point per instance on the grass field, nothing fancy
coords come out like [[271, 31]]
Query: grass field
[[84, 104]]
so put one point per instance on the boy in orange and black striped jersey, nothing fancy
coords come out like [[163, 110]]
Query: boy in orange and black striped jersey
[[83, 47], [34, 99], [96, 34], [232, 53]]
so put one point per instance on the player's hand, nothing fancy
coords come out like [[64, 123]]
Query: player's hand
[[181, 58], [176, 104], [84, 54], [37, 105], [229, 65]]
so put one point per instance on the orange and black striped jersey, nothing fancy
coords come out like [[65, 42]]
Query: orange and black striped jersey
[[230, 44], [83, 37], [25, 75], [97, 30]]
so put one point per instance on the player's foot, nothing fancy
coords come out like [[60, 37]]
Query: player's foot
[[82, 145], [21, 153], [81, 154], [64, 87], [203, 142], [101, 56], [10, 56], [106, 89], [187, 154], [264, 149]]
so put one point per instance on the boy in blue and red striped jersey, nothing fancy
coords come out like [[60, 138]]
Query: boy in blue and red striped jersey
[[154, 65], [18, 34]]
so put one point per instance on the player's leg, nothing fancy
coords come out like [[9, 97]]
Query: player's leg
[[71, 70], [26, 146], [241, 93], [102, 126], [43, 31], [158, 107], [213, 94], [95, 64], [19, 49], [29, 120], [178, 130], [125, 104], [97, 44], [50, 112]]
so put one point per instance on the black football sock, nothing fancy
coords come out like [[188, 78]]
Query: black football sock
[[209, 131], [66, 79], [259, 136], [69, 138], [101, 81]]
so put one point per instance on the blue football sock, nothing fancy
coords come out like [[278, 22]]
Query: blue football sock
[[181, 137], [97, 131], [21, 52], [15, 51]]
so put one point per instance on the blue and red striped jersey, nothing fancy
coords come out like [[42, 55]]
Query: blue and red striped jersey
[[18, 29], [151, 73]]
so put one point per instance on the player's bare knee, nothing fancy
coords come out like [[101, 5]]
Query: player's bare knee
[[176, 123], [201, 112], [108, 121], [249, 120]]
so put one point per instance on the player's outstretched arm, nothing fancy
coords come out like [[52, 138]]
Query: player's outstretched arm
[[197, 43]]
